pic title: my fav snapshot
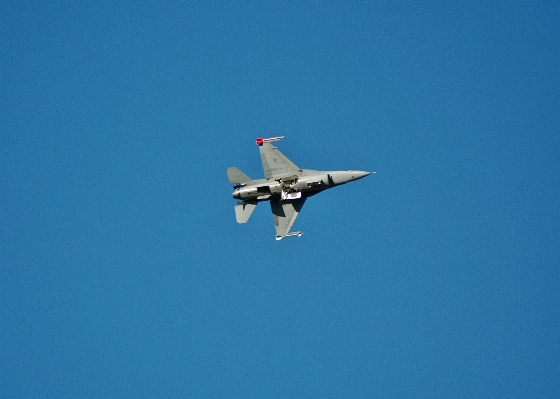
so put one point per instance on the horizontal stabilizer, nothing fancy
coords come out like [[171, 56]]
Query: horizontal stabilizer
[[244, 210], [236, 176]]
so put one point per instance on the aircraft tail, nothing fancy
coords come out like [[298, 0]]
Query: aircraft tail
[[236, 176], [244, 210]]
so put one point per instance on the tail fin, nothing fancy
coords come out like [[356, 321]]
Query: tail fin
[[244, 210], [236, 176]]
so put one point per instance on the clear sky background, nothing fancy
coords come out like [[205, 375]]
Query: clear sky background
[[124, 274]]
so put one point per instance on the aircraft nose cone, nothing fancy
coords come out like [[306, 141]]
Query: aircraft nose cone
[[358, 174], [236, 194]]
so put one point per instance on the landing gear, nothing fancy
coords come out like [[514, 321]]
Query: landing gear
[[289, 193], [286, 195]]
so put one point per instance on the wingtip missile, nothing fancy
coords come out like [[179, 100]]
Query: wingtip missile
[[260, 141], [292, 234]]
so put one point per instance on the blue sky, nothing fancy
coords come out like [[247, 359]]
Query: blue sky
[[124, 274]]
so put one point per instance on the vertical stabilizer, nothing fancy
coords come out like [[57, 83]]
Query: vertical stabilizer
[[236, 176]]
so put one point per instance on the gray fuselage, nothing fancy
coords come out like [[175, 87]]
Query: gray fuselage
[[308, 182]]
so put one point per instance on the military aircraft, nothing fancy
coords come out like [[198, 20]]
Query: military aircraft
[[285, 185]]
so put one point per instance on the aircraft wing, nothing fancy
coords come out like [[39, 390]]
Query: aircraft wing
[[285, 214], [275, 164]]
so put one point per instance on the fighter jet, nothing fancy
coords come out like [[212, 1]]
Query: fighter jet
[[285, 185]]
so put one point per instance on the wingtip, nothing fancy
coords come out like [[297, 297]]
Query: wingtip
[[260, 141], [292, 234]]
